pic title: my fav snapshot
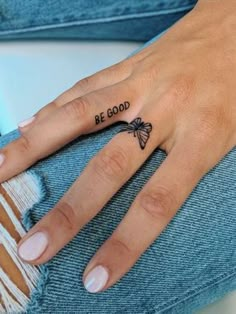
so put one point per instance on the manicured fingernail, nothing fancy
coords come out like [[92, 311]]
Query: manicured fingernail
[[33, 247], [96, 279], [26, 122], [2, 158]]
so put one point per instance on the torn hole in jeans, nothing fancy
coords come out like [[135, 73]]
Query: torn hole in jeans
[[17, 279]]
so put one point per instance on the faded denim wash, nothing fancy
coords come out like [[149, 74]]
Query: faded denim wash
[[193, 262]]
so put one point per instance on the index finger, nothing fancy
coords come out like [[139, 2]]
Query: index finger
[[101, 79], [81, 116]]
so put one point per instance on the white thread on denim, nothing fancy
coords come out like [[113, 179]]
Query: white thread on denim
[[24, 191], [2, 310], [29, 272], [18, 226], [11, 306], [21, 298]]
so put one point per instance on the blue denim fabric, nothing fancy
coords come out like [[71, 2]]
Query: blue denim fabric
[[193, 262], [89, 19]]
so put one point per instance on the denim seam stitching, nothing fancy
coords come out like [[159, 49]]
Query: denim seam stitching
[[96, 20], [193, 292]]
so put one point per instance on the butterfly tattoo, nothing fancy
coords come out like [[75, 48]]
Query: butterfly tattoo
[[140, 130]]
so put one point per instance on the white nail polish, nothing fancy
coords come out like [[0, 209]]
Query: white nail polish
[[33, 247], [96, 279], [26, 122]]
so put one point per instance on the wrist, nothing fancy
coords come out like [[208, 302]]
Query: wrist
[[218, 13], [217, 7], [219, 3]]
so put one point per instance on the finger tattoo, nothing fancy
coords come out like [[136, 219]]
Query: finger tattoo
[[102, 116], [140, 130]]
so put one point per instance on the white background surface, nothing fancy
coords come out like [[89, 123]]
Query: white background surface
[[34, 73]]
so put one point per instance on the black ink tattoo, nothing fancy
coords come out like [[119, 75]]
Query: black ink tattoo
[[140, 130], [99, 118]]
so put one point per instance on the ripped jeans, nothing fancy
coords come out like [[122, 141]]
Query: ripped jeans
[[193, 262]]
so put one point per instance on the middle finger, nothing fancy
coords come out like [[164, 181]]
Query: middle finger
[[101, 179]]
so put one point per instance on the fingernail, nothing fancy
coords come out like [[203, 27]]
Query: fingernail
[[26, 122], [33, 247], [96, 279], [2, 158]]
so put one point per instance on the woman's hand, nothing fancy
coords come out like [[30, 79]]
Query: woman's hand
[[177, 94]]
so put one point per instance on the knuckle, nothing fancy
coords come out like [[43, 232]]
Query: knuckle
[[66, 215], [120, 246], [177, 94], [76, 109], [24, 144], [125, 66], [149, 75], [157, 204], [182, 87], [207, 126], [211, 121], [83, 84], [111, 163], [54, 104]]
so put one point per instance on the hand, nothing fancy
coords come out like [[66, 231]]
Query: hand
[[177, 94]]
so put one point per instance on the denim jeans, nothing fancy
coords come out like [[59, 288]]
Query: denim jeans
[[193, 261], [89, 19]]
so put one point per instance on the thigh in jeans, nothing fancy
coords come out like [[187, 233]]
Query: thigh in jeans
[[89, 19], [191, 264]]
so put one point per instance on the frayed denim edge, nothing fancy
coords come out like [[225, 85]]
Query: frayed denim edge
[[37, 293]]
